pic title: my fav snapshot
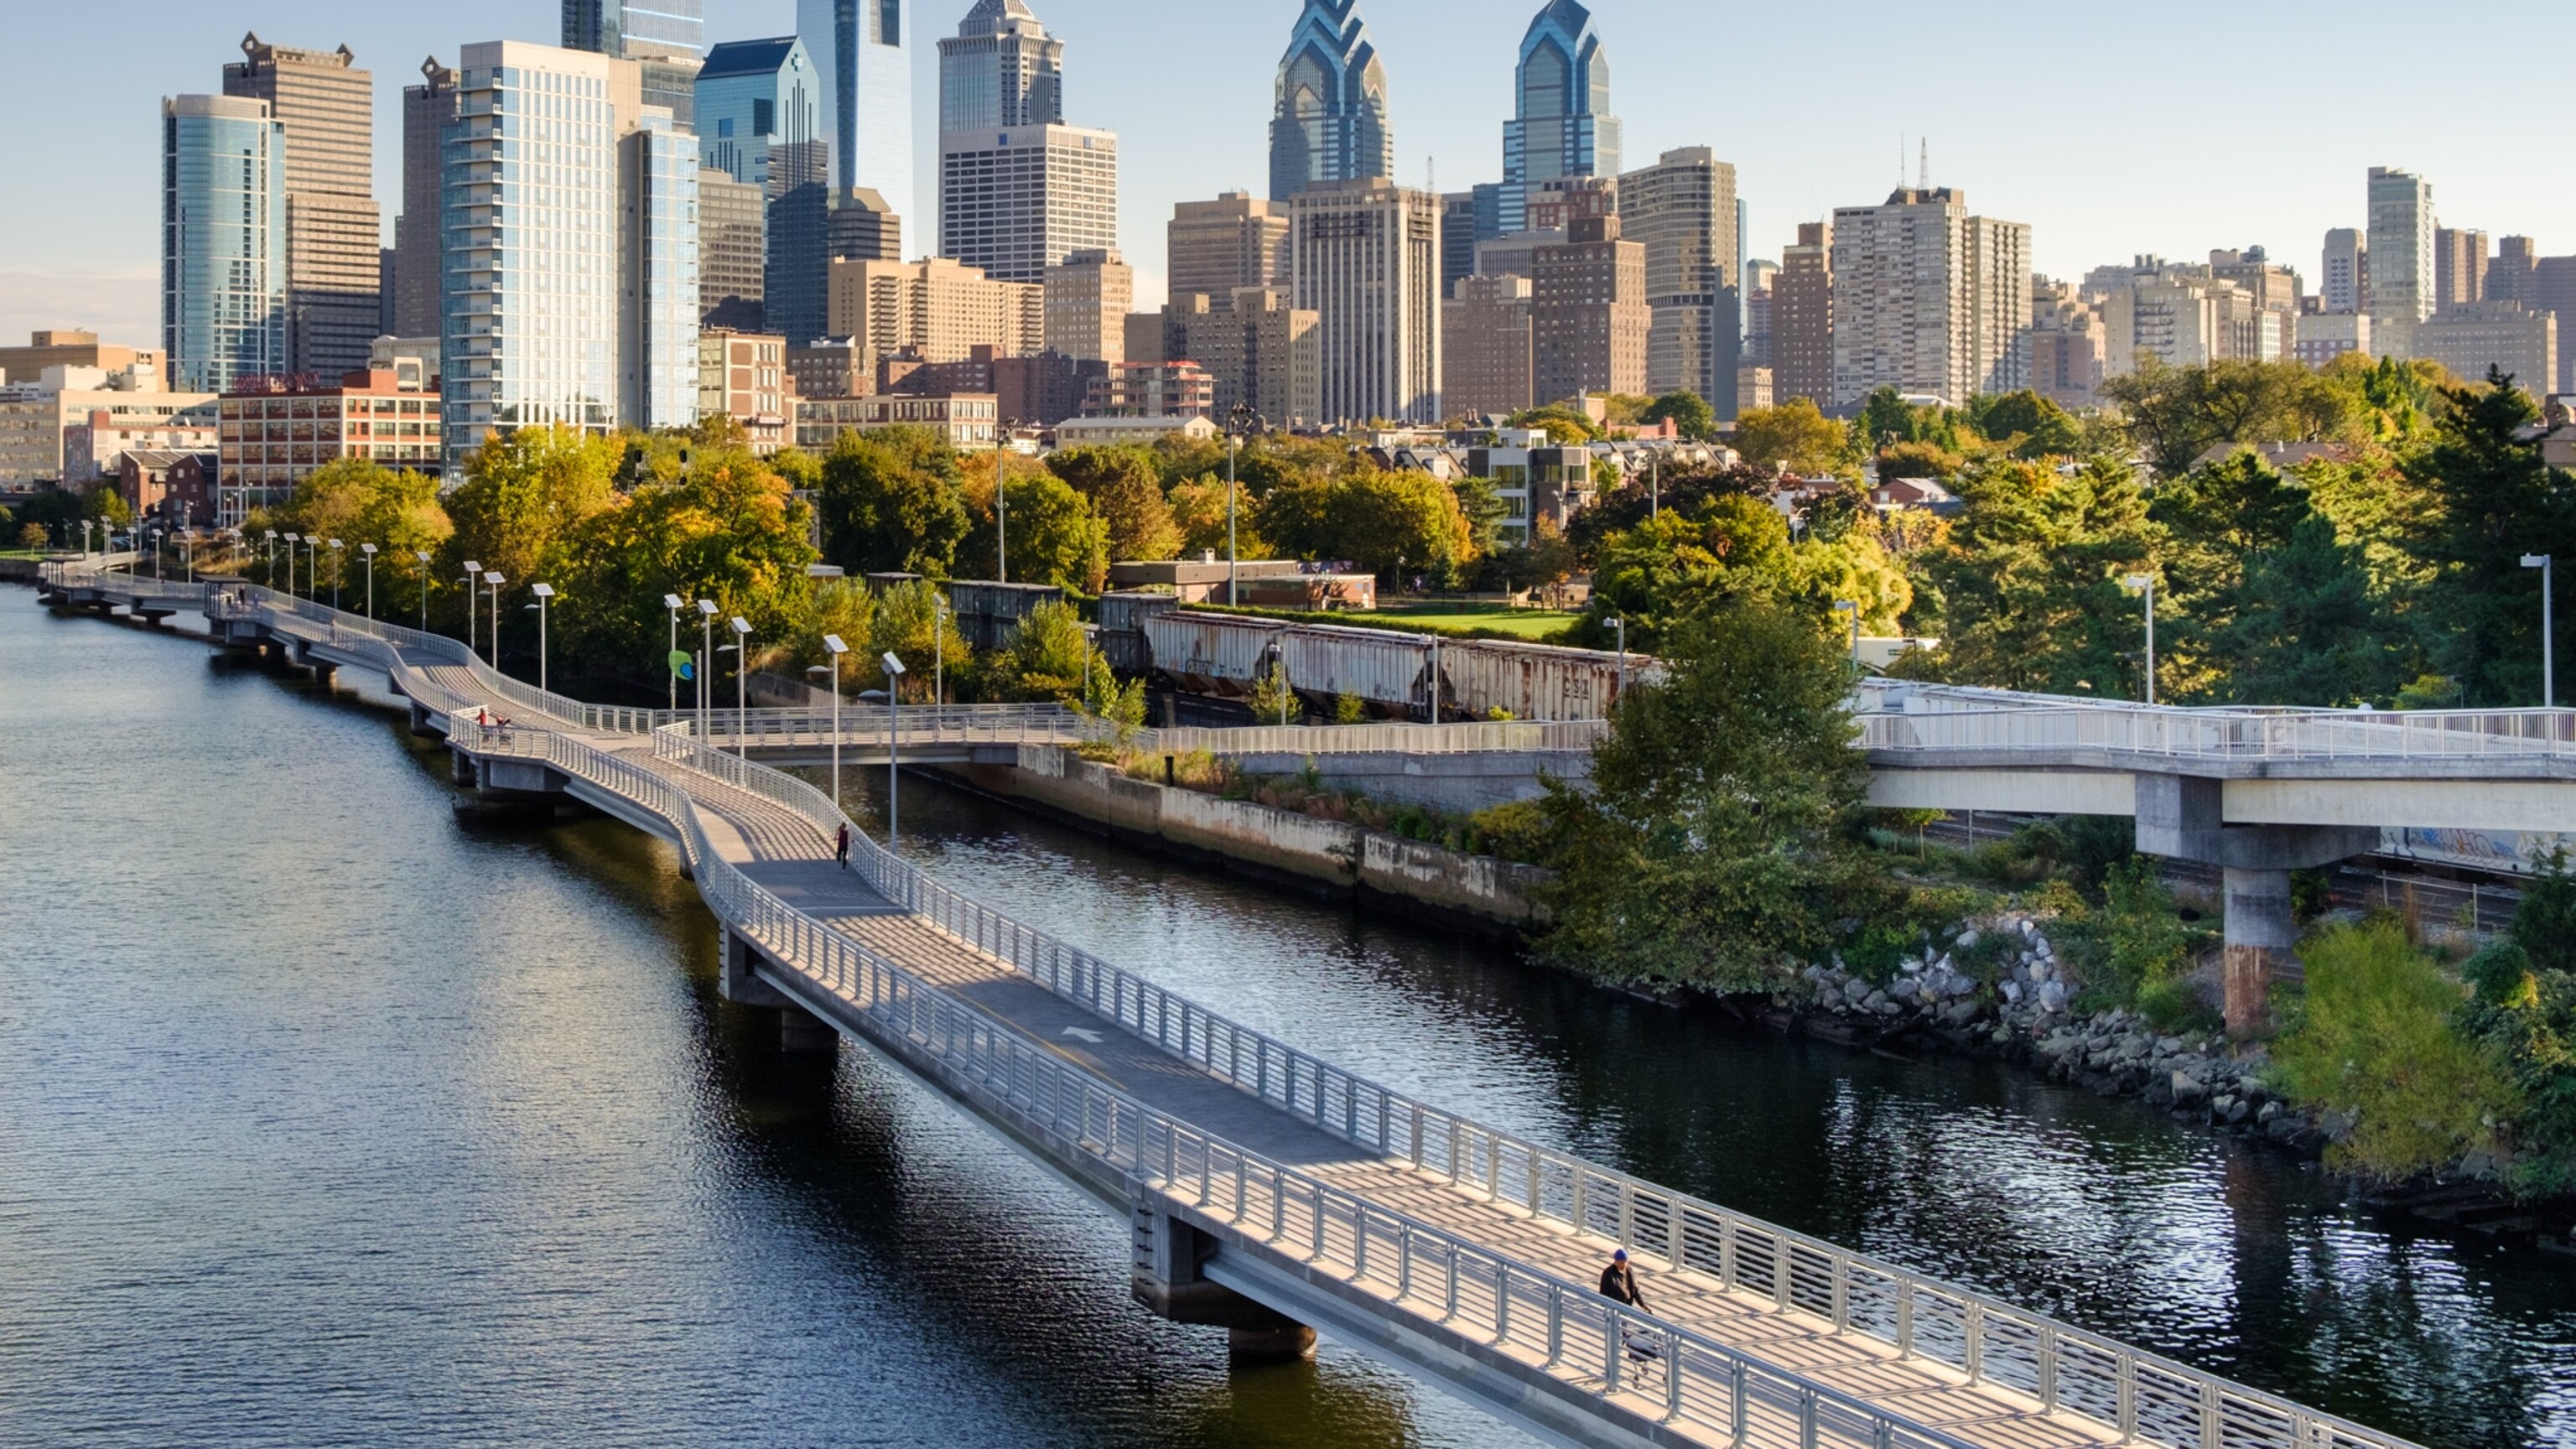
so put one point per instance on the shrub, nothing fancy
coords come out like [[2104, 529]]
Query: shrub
[[1519, 831]]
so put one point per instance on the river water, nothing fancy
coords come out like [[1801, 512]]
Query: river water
[[327, 1120]]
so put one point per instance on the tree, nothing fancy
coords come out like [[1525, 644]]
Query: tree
[[2028, 424], [2308, 629], [844, 607], [892, 502], [2175, 415], [1686, 411], [1055, 537], [1918, 460], [524, 492], [33, 536], [1125, 488], [1728, 551], [1794, 435], [1046, 658], [1676, 490], [1393, 525], [2030, 580], [911, 625], [1563, 424], [1199, 511], [1710, 849], [2498, 502]]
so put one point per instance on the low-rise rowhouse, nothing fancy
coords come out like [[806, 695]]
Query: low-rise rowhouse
[[966, 420], [171, 487]]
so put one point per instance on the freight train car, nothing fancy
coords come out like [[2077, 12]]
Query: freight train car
[[1223, 654]]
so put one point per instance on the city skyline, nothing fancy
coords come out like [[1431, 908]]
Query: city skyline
[[2073, 180]]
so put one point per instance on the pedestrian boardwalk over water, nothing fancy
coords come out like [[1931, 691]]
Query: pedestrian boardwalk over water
[[1259, 1176]]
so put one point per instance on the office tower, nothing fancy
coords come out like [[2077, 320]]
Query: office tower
[[2401, 258], [224, 263], [2554, 281], [2515, 276], [1088, 297], [1366, 259], [933, 311], [1683, 210], [537, 330], [863, 228], [1588, 314], [860, 50], [1256, 348], [1019, 191], [1328, 121], [428, 108], [1457, 240], [334, 235], [2459, 267], [625, 31], [2472, 338], [733, 253], [2239, 308], [2344, 285], [1928, 299], [1555, 204], [1488, 357], [1802, 318], [1759, 274], [755, 98], [1562, 124], [799, 249], [1237, 240], [2068, 344]]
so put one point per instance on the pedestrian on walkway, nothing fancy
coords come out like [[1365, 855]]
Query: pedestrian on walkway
[[841, 845], [1619, 1283]]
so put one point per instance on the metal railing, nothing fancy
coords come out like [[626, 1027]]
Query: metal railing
[[2528, 736], [1519, 1304], [1399, 739]]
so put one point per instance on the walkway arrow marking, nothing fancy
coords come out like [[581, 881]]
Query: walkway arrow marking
[[1084, 1034]]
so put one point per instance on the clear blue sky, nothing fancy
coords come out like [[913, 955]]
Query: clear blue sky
[[2110, 130]]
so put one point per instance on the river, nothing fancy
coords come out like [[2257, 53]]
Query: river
[[327, 1120]]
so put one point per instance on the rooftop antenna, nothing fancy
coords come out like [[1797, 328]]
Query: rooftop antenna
[[1923, 168], [1431, 174]]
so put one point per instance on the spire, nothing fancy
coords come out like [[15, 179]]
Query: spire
[[998, 17], [1330, 123]]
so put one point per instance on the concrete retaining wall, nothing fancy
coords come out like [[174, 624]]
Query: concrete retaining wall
[[1322, 857], [1459, 784]]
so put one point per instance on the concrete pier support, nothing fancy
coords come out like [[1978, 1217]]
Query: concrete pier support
[[421, 728], [800, 1032], [464, 767], [2262, 935], [1166, 1281]]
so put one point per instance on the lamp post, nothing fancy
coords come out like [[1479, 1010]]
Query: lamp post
[[938, 649], [1846, 606], [741, 683], [673, 603], [544, 593], [2145, 584], [1001, 505], [494, 582], [313, 566], [1622, 626], [335, 575], [2548, 566], [1655, 486], [368, 552], [421, 556], [706, 667], [188, 553], [1236, 423], [833, 646], [268, 565], [473, 580], [292, 540], [894, 750]]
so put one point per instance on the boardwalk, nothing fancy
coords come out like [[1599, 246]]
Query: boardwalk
[[1460, 1251]]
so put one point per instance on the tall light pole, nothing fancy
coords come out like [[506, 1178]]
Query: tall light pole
[[2145, 584], [368, 551], [938, 648], [894, 750], [1236, 423], [544, 593], [2548, 566], [1001, 505], [313, 566], [494, 582], [473, 581], [1622, 626], [1846, 606], [292, 540], [421, 556], [706, 669], [833, 646], [270, 563], [671, 666], [336, 571], [741, 683]]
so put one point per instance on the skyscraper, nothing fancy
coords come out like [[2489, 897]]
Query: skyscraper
[[2401, 258], [1366, 258], [1563, 125], [1019, 191], [1237, 240], [334, 234], [427, 110], [223, 241], [2459, 267], [1488, 359], [1328, 122], [536, 330], [1589, 317], [2344, 284], [733, 253], [2515, 276], [860, 51], [1928, 300], [1802, 318], [1088, 297], [755, 97], [642, 27], [1683, 210]]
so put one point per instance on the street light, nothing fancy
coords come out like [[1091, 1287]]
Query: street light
[[894, 750], [473, 581], [292, 540], [335, 575], [2145, 584], [313, 565], [833, 646], [706, 669], [1846, 606], [2548, 566], [1236, 423], [673, 603], [741, 683], [493, 582], [543, 592], [270, 563], [1622, 626], [938, 649], [422, 555], [369, 550], [1001, 505]]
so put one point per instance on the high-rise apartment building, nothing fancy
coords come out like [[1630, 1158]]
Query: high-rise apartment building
[[934, 311], [2318, 338], [224, 260], [1088, 297], [861, 52], [1759, 274], [2187, 316], [1928, 299], [1235, 241], [1802, 318], [428, 109], [571, 277], [2401, 258], [733, 252], [1019, 191], [1561, 124], [1588, 313], [1683, 211], [2459, 267], [1488, 349], [2554, 282], [2344, 285], [1366, 258], [2068, 344], [1329, 117], [1258, 350], [864, 228], [334, 234], [625, 29], [2515, 274], [2474, 338]]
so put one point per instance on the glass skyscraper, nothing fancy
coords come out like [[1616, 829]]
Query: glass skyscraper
[[658, 251], [1329, 122], [223, 241], [861, 51], [1563, 125], [647, 27], [753, 98]]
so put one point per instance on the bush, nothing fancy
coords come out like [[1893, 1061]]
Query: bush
[[1520, 831], [2376, 1040]]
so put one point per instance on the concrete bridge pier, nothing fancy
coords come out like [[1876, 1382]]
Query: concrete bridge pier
[[1166, 1281], [800, 1032], [2184, 818], [422, 728]]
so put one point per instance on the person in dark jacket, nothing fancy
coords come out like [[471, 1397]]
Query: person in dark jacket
[[841, 847], [1619, 1283]]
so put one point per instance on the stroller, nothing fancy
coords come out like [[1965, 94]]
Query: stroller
[[1644, 1350]]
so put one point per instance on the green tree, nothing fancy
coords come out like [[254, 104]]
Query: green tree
[[33, 536], [1392, 525], [2309, 630], [2030, 580], [1795, 435], [1198, 510], [1055, 537], [845, 608], [912, 624], [1047, 658], [524, 493], [1563, 424], [1918, 460], [1687, 411], [892, 502], [2498, 502], [1730, 550], [2175, 415], [1123, 486], [1711, 848]]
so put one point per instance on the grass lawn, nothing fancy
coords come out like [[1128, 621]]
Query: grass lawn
[[1536, 625]]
